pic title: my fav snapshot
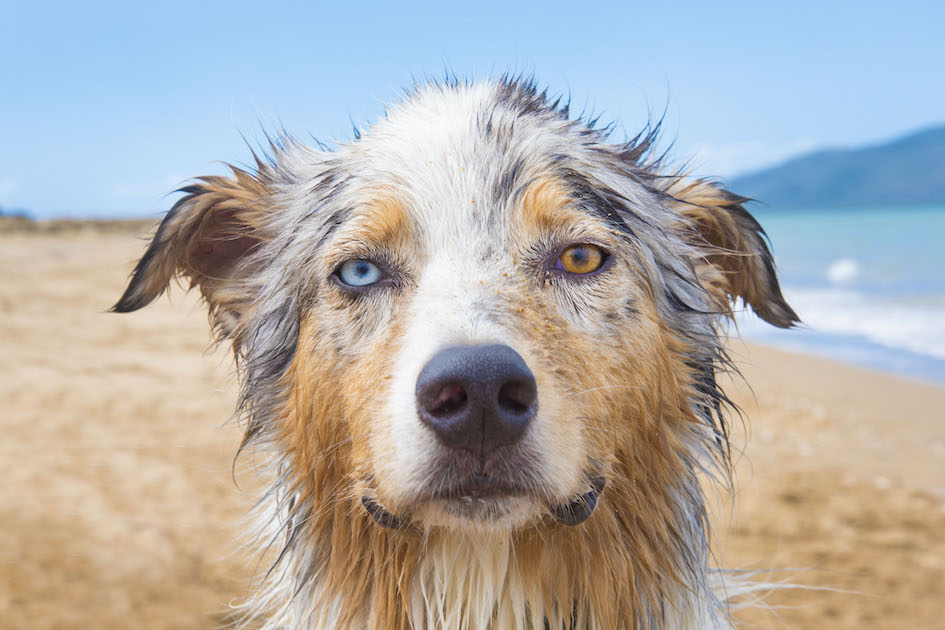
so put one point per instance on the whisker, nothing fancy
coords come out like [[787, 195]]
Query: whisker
[[603, 387]]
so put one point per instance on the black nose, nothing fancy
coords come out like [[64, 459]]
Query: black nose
[[477, 398]]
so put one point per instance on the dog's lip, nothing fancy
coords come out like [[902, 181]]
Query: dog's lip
[[480, 486], [580, 509], [380, 515]]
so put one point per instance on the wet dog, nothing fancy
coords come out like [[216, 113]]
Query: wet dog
[[478, 348]]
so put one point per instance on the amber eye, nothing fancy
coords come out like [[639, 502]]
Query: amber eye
[[582, 259]]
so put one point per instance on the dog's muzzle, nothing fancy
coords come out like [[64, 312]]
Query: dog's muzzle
[[479, 402]]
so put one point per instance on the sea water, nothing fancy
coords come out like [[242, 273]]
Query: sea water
[[868, 284]]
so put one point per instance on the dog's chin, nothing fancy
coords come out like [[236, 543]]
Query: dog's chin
[[460, 513], [480, 502], [478, 512], [483, 505]]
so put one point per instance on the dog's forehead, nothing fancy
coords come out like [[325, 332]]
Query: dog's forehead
[[458, 159]]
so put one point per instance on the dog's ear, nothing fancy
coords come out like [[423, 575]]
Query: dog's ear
[[735, 261], [208, 237]]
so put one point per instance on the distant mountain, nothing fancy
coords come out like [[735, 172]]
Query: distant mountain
[[908, 170], [16, 213]]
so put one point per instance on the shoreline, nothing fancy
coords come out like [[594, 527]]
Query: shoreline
[[877, 358]]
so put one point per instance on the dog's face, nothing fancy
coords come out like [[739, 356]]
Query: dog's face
[[479, 315], [487, 328]]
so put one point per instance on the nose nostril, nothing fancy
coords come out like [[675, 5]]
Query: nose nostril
[[516, 398], [450, 399]]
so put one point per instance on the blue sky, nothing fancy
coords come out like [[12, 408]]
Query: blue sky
[[107, 107]]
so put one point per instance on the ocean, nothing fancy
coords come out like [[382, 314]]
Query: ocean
[[868, 284]]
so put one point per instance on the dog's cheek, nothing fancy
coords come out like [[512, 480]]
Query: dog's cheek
[[568, 368], [314, 434], [339, 373], [598, 378], [647, 388], [366, 390]]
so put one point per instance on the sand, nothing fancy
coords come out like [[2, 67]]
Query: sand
[[118, 508]]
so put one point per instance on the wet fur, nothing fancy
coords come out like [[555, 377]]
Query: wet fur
[[628, 360]]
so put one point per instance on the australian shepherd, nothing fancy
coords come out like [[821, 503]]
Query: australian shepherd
[[478, 349]]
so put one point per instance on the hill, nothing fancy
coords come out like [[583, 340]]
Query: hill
[[909, 170]]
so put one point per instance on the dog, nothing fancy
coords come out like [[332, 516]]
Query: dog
[[478, 349]]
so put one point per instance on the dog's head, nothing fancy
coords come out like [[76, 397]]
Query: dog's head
[[480, 314]]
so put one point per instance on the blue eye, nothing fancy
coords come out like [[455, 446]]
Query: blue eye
[[358, 273]]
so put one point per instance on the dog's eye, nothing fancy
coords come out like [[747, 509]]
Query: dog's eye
[[582, 259], [358, 273]]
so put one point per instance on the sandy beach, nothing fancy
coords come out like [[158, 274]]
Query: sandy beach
[[118, 508]]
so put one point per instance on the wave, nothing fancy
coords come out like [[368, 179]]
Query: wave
[[915, 324]]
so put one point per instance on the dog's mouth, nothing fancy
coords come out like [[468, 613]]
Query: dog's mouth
[[480, 487], [482, 496]]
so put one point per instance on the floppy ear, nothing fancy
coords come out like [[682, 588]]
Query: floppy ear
[[209, 237], [735, 259]]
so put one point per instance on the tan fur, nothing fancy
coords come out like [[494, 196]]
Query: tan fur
[[328, 430], [381, 225], [544, 207]]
